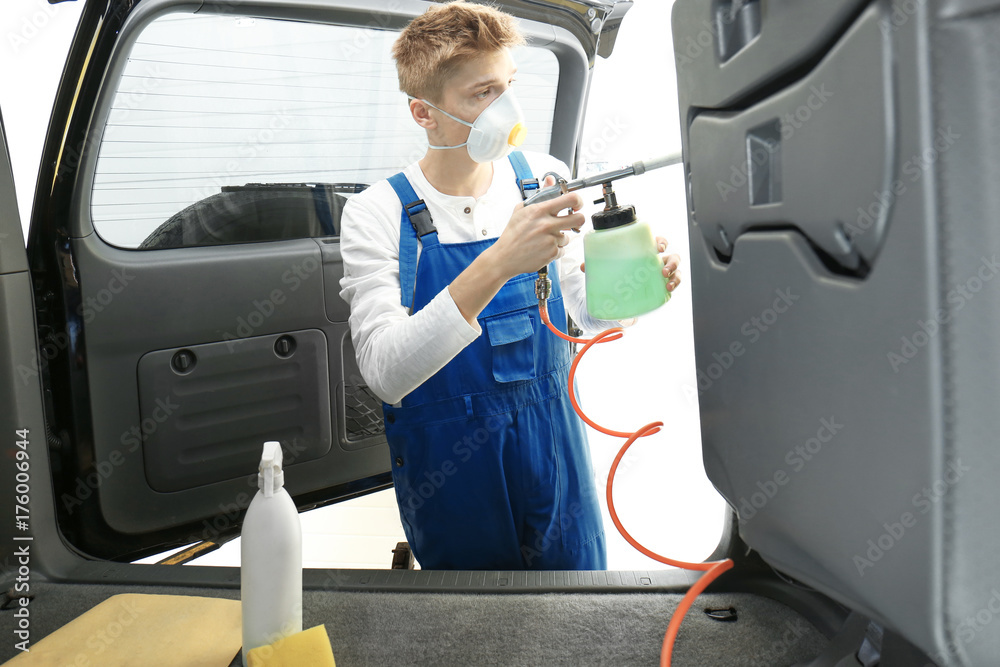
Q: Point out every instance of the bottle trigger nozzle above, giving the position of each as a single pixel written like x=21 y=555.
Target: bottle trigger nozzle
x=270 y=476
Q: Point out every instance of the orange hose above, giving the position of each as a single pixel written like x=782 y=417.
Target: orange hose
x=544 y=311
x=711 y=570
x=605 y=336
x=667 y=650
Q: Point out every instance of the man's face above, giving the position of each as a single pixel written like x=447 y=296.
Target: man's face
x=473 y=87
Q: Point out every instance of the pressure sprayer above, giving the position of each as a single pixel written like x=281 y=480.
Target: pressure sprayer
x=628 y=249
x=623 y=276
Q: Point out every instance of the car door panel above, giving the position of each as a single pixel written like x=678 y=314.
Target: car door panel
x=150 y=414
x=166 y=374
x=894 y=328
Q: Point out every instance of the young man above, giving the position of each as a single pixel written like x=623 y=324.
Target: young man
x=490 y=463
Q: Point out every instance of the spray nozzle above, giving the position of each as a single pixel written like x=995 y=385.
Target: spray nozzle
x=270 y=477
x=616 y=215
x=613 y=215
x=610 y=199
x=635 y=169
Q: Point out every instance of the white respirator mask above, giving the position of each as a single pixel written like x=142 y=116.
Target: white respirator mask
x=496 y=132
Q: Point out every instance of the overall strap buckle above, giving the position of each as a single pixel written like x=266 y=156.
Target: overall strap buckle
x=527 y=184
x=420 y=217
x=522 y=172
x=416 y=210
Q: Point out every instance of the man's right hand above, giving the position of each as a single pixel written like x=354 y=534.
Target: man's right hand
x=534 y=236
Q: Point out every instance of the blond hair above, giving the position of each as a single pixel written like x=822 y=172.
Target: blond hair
x=435 y=43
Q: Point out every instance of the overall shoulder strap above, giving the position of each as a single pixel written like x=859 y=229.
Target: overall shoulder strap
x=522 y=172
x=527 y=183
x=414 y=223
x=415 y=209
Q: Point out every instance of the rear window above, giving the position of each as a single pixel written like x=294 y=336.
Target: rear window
x=232 y=129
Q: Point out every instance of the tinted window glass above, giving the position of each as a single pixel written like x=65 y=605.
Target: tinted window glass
x=235 y=129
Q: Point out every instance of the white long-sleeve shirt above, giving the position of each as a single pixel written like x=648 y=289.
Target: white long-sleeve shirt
x=397 y=351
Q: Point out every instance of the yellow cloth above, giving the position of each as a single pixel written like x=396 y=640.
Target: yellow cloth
x=310 y=647
x=139 y=629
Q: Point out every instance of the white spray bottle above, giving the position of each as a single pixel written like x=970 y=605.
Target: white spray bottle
x=271 y=559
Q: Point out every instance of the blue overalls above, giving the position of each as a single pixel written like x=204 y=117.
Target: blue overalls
x=490 y=462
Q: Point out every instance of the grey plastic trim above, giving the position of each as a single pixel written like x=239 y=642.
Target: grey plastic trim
x=351 y=379
x=337 y=310
x=163 y=302
x=791 y=33
x=774 y=164
x=21 y=400
x=892 y=511
x=21 y=408
x=12 y=256
x=227 y=398
x=400 y=581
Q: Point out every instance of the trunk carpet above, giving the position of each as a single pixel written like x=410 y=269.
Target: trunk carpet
x=440 y=629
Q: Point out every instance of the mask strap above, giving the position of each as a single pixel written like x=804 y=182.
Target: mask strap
x=457 y=120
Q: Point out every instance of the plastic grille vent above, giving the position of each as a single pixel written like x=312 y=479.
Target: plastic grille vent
x=363 y=413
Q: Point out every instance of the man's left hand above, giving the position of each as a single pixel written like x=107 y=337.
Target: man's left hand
x=670 y=265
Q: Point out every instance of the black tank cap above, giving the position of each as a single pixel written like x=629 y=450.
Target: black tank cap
x=614 y=217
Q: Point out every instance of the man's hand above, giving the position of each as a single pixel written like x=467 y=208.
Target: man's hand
x=533 y=238
x=670 y=265
x=535 y=234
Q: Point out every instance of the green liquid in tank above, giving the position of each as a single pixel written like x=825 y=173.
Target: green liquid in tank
x=624 y=273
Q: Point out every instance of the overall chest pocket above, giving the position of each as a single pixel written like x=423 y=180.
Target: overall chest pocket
x=513 y=343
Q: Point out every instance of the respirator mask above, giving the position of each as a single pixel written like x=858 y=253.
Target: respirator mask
x=497 y=130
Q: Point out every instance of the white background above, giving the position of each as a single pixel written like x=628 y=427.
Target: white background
x=662 y=493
